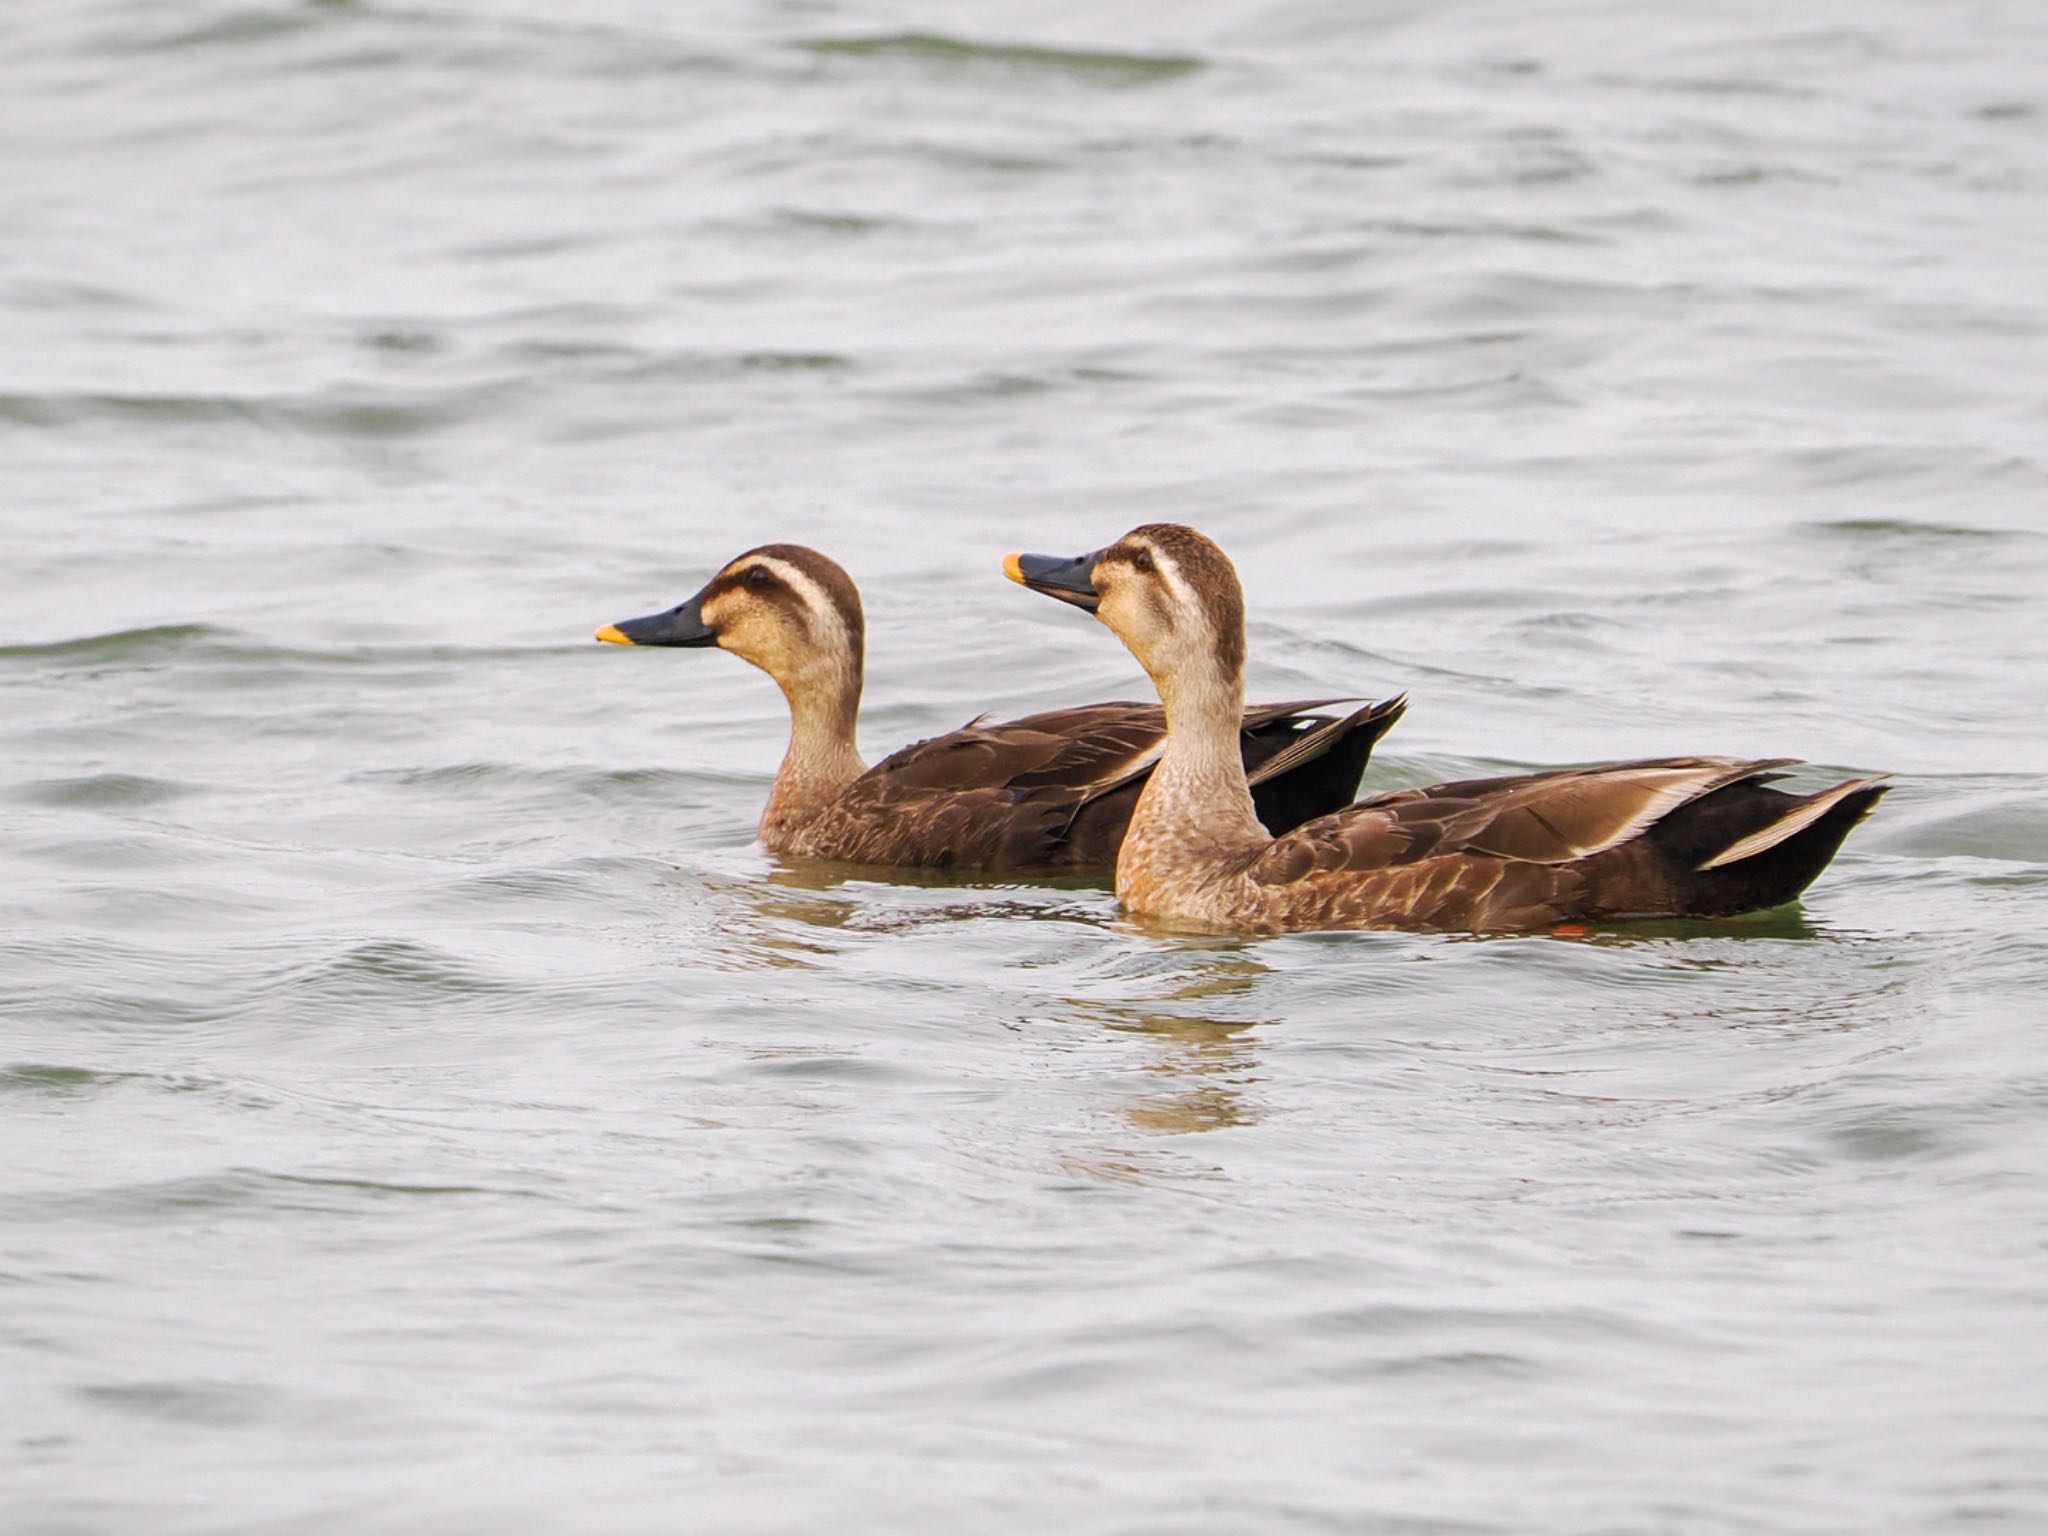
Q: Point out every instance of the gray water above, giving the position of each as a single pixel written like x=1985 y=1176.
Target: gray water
x=421 y=1108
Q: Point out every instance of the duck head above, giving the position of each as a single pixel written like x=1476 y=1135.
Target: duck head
x=1167 y=592
x=787 y=609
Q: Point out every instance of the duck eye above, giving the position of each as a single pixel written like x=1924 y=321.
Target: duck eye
x=1142 y=562
x=759 y=578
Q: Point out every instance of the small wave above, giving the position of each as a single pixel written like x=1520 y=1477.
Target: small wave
x=258 y=1193
x=62 y=409
x=691 y=365
x=234 y=29
x=215 y=643
x=33 y=293
x=384 y=966
x=1894 y=1133
x=609 y=784
x=52 y=1080
x=2009 y=827
x=102 y=790
x=1096 y=66
x=116 y=644
x=1726 y=86
x=340 y=413
x=214 y=1404
x=1875 y=529
x=839 y=223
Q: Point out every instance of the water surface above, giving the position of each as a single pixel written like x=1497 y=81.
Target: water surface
x=424 y=1111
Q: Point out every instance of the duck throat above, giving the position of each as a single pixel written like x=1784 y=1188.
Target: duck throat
x=1194 y=820
x=822 y=760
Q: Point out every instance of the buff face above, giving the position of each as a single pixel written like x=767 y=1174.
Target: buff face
x=754 y=611
x=1136 y=599
x=1172 y=597
x=786 y=609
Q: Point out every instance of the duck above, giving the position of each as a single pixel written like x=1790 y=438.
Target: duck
x=1563 y=850
x=1050 y=791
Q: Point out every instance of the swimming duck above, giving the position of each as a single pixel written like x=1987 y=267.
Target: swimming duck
x=1051 y=790
x=1670 y=837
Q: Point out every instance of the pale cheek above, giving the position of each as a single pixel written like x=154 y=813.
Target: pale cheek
x=1128 y=619
x=750 y=640
x=773 y=649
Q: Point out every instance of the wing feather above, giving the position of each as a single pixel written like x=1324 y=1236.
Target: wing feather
x=1006 y=794
x=1551 y=818
x=1092 y=748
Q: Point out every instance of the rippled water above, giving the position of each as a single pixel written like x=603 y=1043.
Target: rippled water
x=422 y=1110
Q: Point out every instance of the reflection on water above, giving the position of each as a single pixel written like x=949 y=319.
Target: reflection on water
x=1208 y=1058
x=1203 y=1077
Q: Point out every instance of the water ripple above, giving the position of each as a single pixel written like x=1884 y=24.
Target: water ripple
x=424 y=1107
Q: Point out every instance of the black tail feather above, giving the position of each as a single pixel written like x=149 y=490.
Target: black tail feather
x=1768 y=878
x=1325 y=770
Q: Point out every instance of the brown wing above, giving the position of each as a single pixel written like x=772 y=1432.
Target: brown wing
x=1693 y=836
x=1006 y=795
x=1091 y=748
x=1540 y=818
x=1084 y=750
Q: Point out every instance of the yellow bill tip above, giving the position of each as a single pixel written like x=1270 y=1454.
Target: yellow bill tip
x=1013 y=567
x=612 y=635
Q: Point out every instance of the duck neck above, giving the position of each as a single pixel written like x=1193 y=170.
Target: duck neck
x=822 y=759
x=1195 y=814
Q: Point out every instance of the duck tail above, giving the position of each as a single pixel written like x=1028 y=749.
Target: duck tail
x=1318 y=771
x=1748 y=849
x=1359 y=731
x=1854 y=798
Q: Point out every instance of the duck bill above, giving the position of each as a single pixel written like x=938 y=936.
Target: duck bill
x=681 y=625
x=1071 y=581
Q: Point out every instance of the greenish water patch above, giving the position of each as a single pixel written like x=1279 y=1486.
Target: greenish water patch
x=257 y=1194
x=1094 y=66
x=56 y=410
x=234 y=29
x=626 y=786
x=55 y=1081
x=401 y=1190
x=341 y=414
x=1894 y=1134
x=401 y=339
x=117 y=645
x=1786 y=922
x=102 y=791
x=837 y=222
x=211 y=1404
x=792 y=362
x=693 y=365
x=1869 y=528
